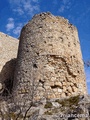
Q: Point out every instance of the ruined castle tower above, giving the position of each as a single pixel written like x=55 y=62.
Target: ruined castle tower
x=49 y=59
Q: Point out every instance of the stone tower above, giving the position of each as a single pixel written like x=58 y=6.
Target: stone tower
x=49 y=60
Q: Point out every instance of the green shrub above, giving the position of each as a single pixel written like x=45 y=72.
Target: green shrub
x=48 y=105
x=48 y=113
x=69 y=102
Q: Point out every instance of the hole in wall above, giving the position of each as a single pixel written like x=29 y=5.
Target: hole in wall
x=50 y=45
x=37 y=53
x=25 y=71
x=61 y=39
x=74 y=56
x=44 y=41
x=55 y=86
x=27 y=50
x=32 y=45
x=66 y=94
x=50 y=36
x=41 y=81
x=40 y=26
x=35 y=65
x=69 y=44
x=74 y=44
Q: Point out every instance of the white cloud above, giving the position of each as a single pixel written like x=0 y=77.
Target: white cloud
x=10 y=24
x=35 y=0
x=19 y=10
x=17 y=30
x=11 y=27
x=10 y=19
x=64 y=6
x=25 y=7
x=65 y=1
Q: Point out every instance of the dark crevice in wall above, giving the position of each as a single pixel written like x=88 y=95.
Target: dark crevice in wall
x=7 y=77
x=8 y=87
x=55 y=86
x=42 y=82
x=35 y=66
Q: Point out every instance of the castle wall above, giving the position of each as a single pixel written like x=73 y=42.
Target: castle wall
x=8 y=53
x=49 y=60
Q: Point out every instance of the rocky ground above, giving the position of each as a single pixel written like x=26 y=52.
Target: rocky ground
x=72 y=108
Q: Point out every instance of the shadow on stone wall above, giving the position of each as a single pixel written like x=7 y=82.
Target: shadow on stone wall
x=6 y=77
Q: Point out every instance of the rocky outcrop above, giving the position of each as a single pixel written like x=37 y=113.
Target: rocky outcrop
x=49 y=60
x=72 y=108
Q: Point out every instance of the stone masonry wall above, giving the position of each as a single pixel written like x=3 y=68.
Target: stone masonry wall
x=8 y=53
x=49 y=60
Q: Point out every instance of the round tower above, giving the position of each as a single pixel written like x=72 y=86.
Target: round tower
x=49 y=61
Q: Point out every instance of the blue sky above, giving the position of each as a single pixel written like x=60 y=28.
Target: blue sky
x=16 y=13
